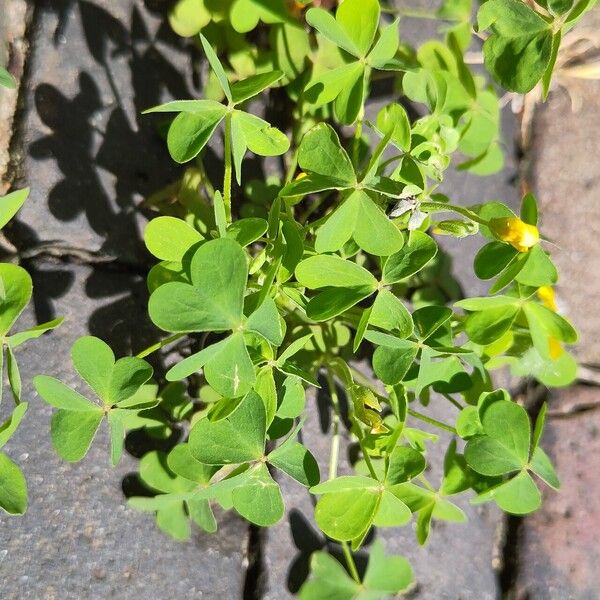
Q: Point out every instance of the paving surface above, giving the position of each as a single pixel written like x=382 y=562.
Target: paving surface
x=558 y=546
x=89 y=158
x=79 y=539
x=557 y=549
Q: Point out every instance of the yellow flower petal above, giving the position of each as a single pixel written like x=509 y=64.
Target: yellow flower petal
x=556 y=349
x=517 y=233
x=546 y=295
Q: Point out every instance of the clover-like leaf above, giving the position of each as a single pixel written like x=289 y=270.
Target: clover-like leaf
x=16 y=339
x=217 y=67
x=518 y=50
x=245 y=14
x=386 y=575
x=13 y=487
x=11 y=203
x=73 y=431
x=190 y=131
x=259 y=498
x=252 y=86
x=266 y=322
x=214 y=300
x=393 y=357
x=238 y=438
x=15 y=292
x=506 y=446
x=416 y=253
x=8 y=428
x=169 y=238
x=251 y=132
x=198 y=119
x=328 y=579
x=347 y=507
x=295 y=460
x=320 y=152
x=116 y=383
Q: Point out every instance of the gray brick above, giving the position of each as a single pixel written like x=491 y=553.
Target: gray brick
x=89 y=155
x=79 y=539
x=558 y=546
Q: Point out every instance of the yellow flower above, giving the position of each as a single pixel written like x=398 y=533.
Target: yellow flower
x=546 y=295
x=300 y=175
x=517 y=233
x=556 y=348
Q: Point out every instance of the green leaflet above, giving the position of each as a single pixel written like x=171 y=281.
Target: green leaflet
x=6 y=79
x=13 y=487
x=505 y=446
x=169 y=238
x=11 y=203
x=116 y=385
x=518 y=50
x=214 y=300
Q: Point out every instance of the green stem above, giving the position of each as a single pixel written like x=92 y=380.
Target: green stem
x=357 y=137
x=389 y=161
x=365 y=454
x=159 y=345
x=292 y=167
x=453 y=401
x=335 y=439
x=426 y=483
x=350 y=562
x=415 y=13
x=461 y=210
x=227 y=175
x=434 y=422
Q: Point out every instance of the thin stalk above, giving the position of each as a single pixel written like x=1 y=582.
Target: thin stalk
x=426 y=483
x=160 y=345
x=292 y=166
x=316 y=203
x=434 y=422
x=356 y=141
x=453 y=401
x=461 y=210
x=389 y=161
x=415 y=13
x=227 y=175
x=350 y=562
x=334 y=453
x=365 y=454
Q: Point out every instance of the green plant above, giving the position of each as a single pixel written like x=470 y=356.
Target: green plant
x=334 y=261
x=16 y=289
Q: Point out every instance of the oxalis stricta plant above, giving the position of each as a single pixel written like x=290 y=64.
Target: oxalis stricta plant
x=16 y=289
x=286 y=284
